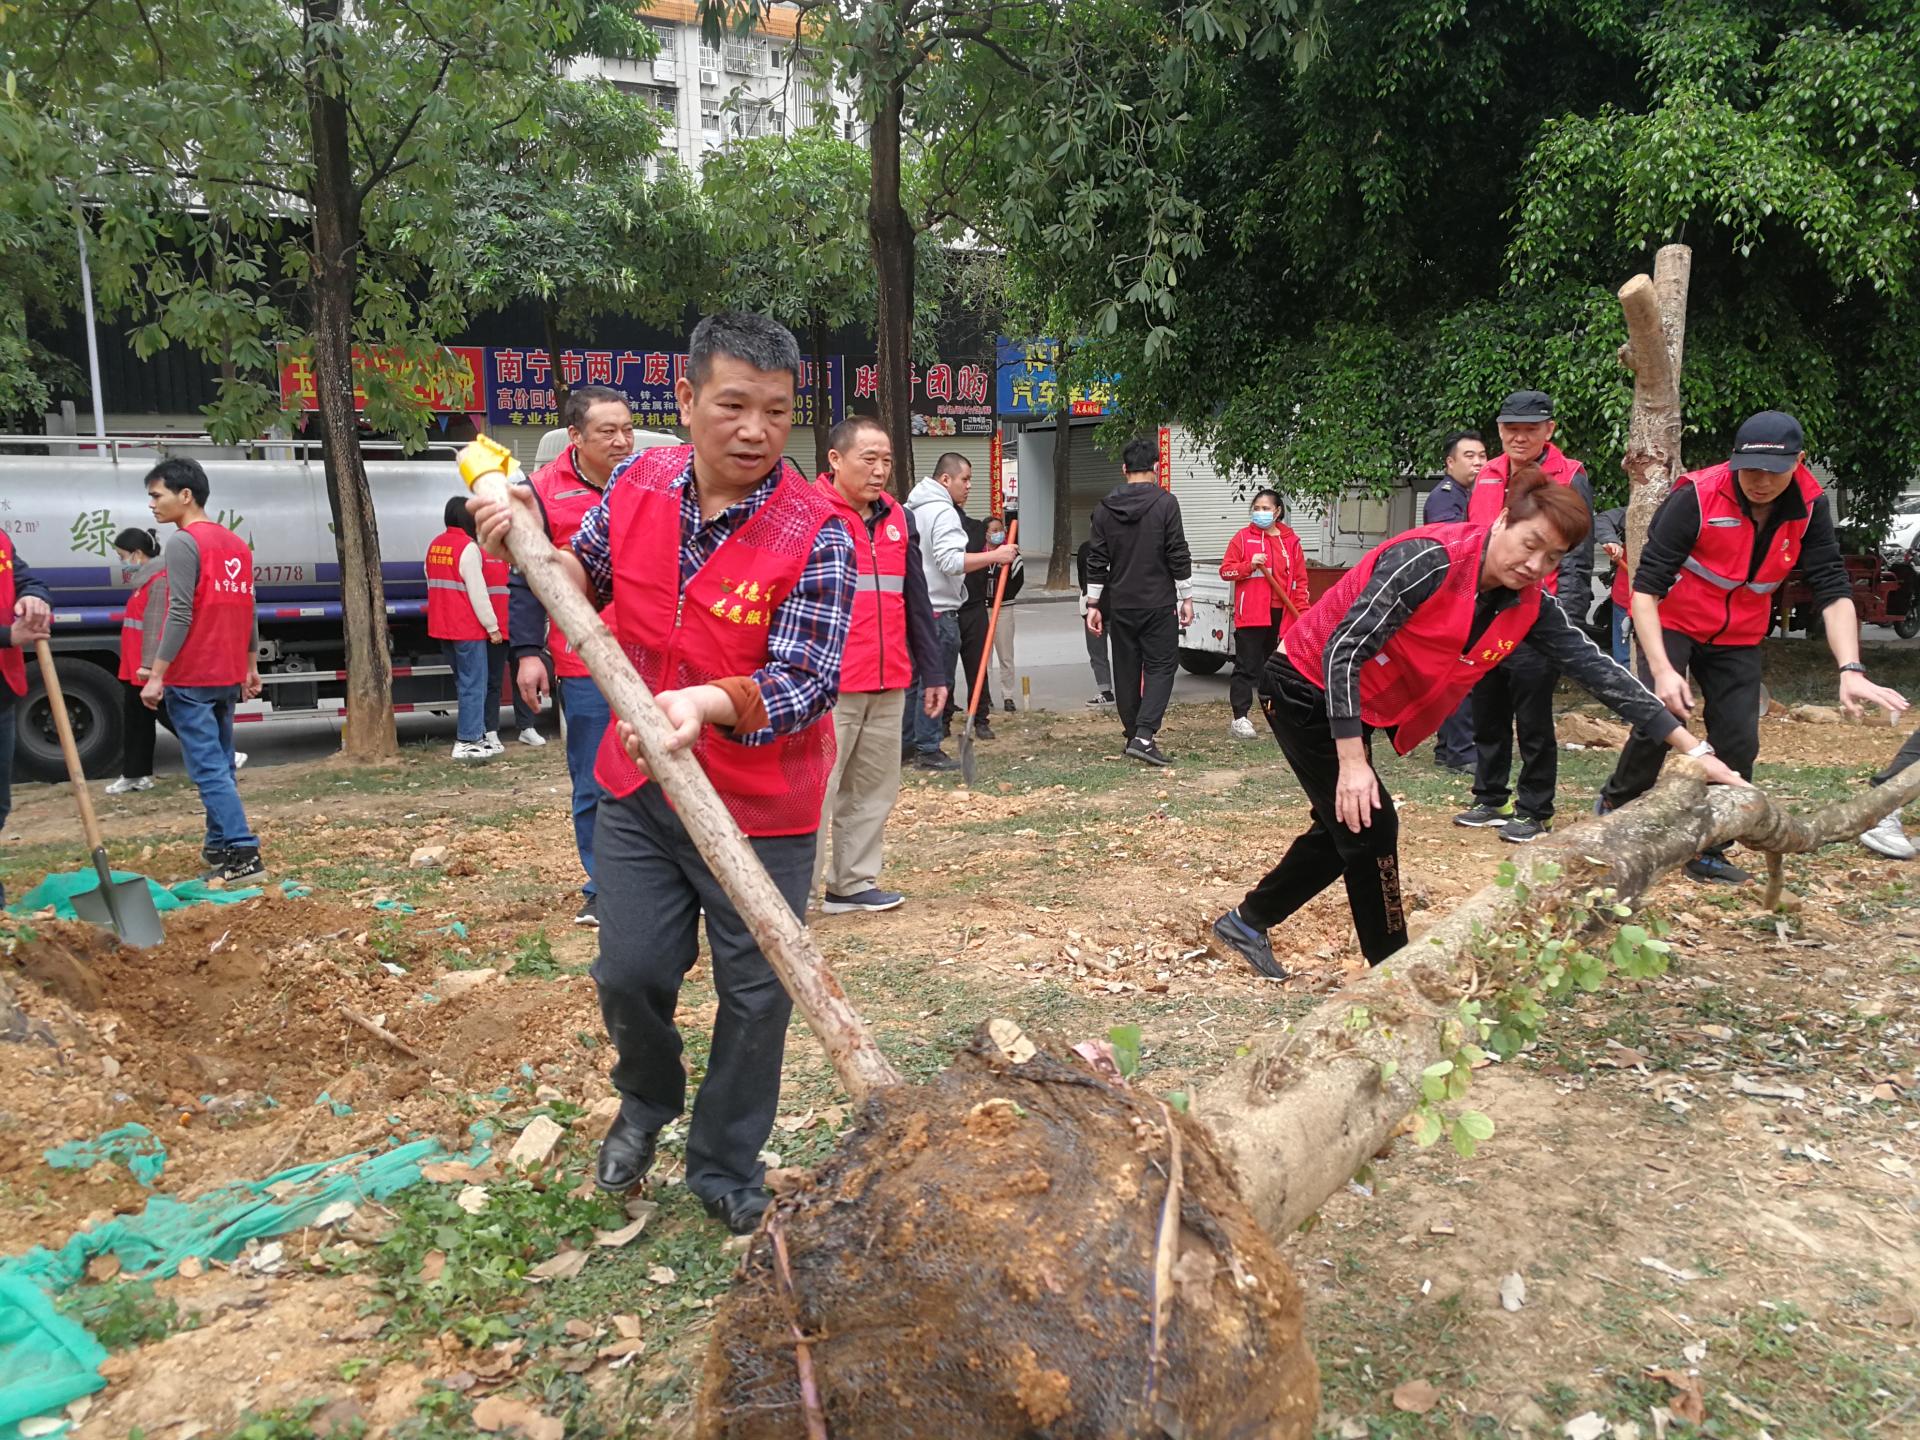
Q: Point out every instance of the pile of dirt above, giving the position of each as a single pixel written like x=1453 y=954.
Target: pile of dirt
x=985 y=1256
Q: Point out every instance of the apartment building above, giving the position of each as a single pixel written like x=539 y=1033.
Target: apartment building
x=740 y=88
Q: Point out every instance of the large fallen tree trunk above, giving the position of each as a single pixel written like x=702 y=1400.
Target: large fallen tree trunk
x=1028 y=1246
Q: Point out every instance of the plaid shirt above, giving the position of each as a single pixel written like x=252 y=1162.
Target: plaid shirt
x=801 y=678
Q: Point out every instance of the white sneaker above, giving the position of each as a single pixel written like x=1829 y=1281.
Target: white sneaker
x=493 y=743
x=1887 y=838
x=123 y=785
x=1241 y=729
x=533 y=737
x=471 y=750
x=239 y=759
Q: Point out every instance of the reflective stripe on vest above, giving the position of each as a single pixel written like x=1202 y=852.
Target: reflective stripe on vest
x=885 y=584
x=1722 y=582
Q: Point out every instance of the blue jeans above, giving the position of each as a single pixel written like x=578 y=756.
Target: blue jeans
x=918 y=727
x=469 y=661
x=202 y=716
x=523 y=718
x=587 y=720
x=1622 y=630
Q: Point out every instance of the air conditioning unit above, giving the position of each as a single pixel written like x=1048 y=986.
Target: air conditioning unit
x=663 y=70
x=710 y=77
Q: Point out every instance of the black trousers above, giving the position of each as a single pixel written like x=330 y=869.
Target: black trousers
x=1903 y=757
x=1253 y=646
x=1146 y=646
x=1728 y=677
x=139 y=725
x=1515 y=700
x=652 y=885
x=973 y=642
x=1369 y=862
x=1453 y=743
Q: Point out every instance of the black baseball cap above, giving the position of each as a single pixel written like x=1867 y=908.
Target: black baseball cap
x=1771 y=440
x=1525 y=407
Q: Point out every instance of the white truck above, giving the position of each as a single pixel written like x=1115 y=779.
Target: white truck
x=64 y=498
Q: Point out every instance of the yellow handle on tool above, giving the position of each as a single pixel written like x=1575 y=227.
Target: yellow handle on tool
x=485 y=456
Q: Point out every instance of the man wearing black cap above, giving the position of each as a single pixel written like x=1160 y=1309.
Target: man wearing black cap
x=1516 y=699
x=1718 y=549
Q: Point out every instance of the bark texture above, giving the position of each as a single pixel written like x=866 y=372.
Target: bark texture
x=788 y=945
x=893 y=239
x=1656 y=312
x=1060 y=559
x=1301 y=1112
x=369 y=732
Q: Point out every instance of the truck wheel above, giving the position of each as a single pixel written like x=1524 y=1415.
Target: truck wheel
x=93 y=709
x=1201 y=662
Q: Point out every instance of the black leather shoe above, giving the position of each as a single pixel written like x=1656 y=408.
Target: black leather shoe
x=740 y=1210
x=626 y=1155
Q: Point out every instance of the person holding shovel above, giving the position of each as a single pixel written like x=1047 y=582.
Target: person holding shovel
x=891 y=636
x=1393 y=647
x=26 y=608
x=731 y=581
x=1269 y=573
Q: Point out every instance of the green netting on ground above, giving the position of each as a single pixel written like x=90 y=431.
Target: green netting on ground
x=134 y=1146
x=47 y=1360
x=57 y=891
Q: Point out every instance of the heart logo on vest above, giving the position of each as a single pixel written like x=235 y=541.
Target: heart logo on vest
x=893 y=531
x=233 y=568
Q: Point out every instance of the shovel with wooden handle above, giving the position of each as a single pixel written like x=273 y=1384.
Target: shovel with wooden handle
x=124 y=906
x=1286 y=600
x=986 y=658
x=491 y=471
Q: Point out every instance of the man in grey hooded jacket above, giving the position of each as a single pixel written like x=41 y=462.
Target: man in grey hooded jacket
x=936 y=503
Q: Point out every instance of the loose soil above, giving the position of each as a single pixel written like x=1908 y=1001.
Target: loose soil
x=1071 y=892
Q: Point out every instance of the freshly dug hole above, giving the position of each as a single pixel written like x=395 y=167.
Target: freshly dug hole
x=978 y=1259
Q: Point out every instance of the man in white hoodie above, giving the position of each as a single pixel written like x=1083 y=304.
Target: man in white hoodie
x=936 y=503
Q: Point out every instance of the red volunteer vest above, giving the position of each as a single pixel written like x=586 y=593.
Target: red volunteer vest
x=133 y=628
x=496 y=574
x=714 y=626
x=449 y=612
x=219 y=648
x=13 y=663
x=876 y=655
x=1419 y=676
x=566 y=497
x=1489 y=496
x=1714 y=600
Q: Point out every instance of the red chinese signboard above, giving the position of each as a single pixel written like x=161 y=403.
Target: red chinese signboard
x=997 y=500
x=1164 y=468
x=298 y=391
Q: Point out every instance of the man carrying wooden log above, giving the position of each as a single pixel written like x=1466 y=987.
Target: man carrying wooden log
x=1717 y=550
x=731 y=583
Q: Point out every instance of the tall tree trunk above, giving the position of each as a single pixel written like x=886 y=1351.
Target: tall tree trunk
x=550 y=325
x=893 y=263
x=1060 y=561
x=822 y=397
x=336 y=238
x=1656 y=312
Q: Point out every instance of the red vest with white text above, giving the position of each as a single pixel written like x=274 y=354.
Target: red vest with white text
x=495 y=573
x=13 y=664
x=449 y=612
x=876 y=655
x=714 y=626
x=1489 y=496
x=219 y=648
x=1714 y=600
x=1419 y=676
x=133 y=628
x=566 y=497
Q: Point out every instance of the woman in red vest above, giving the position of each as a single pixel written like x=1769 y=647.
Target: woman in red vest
x=1718 y=549
x=1269 y=571
x=1393 y=647
x=461 y=615
x=139 y=552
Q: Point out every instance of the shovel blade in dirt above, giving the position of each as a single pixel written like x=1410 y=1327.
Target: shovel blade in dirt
x=124 y=906
x=966 y=750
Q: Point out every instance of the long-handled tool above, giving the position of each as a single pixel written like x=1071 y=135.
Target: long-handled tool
x=986 y=658
x=489 y=468
x=1286 y=600
x=124 y=906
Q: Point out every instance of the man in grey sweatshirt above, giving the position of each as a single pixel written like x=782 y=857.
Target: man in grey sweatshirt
x=936 y=503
